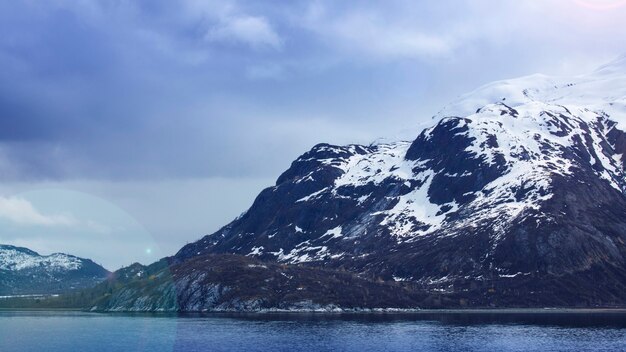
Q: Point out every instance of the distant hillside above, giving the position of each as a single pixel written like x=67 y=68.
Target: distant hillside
x=25 y=272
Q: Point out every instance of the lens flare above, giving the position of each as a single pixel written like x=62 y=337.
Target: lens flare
x=601 y=4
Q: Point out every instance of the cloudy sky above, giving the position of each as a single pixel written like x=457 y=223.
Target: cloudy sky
x=128 y=128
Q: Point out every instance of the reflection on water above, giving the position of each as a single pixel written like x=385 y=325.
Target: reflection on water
x=428 y=331
x=562 y=318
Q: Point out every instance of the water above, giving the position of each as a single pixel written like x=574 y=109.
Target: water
x=528 y=331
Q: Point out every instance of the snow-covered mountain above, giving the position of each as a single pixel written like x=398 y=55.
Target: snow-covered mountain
x=518 y=188
x=24 y=272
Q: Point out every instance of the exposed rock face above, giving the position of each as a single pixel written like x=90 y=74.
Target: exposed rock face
x=237 y=283
x=24 y=272
x=516 y=193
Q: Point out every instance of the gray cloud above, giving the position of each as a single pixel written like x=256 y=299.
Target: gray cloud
x=251 y=30
x=21 y=211
x=153 y=89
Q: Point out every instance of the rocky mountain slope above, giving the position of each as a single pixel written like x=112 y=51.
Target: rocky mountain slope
x=25 y=272
x=238 y=283
x=516 y=191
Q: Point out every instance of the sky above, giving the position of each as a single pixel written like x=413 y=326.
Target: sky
x=129 y=128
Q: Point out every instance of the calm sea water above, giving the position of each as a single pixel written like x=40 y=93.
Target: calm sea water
x=529 y=331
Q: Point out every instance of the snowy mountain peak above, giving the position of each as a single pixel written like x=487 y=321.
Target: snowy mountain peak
x=6 y=247
x=23 y=271
x=602 y=91
x=18 y=258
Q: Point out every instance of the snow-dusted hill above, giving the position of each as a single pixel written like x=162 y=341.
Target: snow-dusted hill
x=520 y=184
x=602 y=91
x=23 y=271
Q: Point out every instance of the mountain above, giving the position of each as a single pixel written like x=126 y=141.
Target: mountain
x=25 y=272
x=515 y=197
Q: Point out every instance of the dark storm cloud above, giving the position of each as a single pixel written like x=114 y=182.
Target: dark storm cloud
x=95 y=94
x=163 y=89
